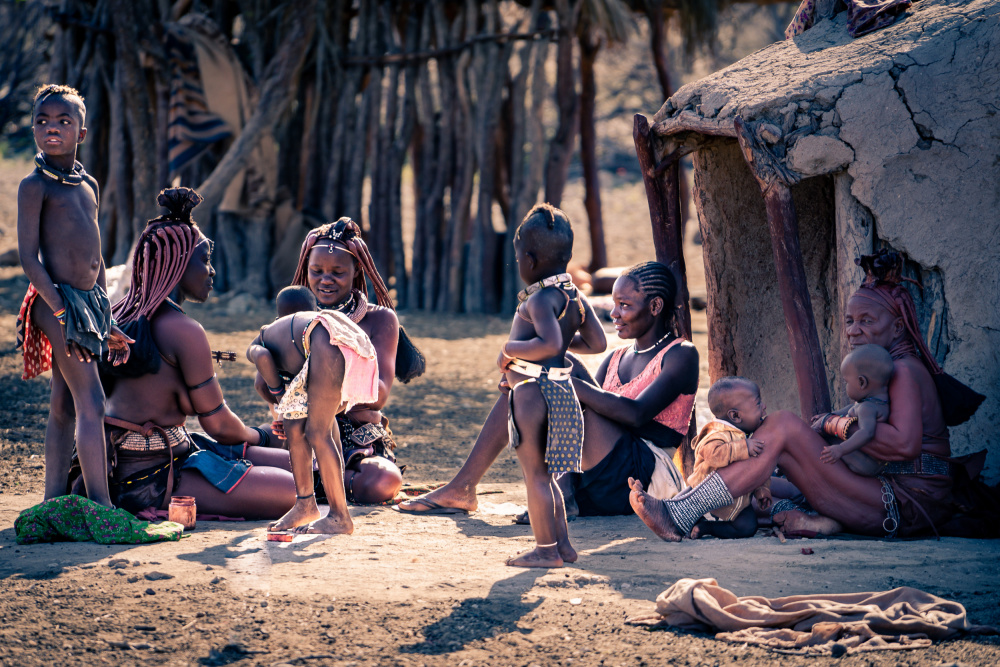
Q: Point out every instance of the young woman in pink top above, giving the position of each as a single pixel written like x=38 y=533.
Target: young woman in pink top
x=643 y=392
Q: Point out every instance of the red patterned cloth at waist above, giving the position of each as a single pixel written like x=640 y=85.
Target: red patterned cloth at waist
x=36 y=348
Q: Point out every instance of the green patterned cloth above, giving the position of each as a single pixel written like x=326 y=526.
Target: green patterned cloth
x=78 y=519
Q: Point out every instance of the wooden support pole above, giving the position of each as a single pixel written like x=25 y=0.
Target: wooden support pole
x=807 y=358
x=663 y=197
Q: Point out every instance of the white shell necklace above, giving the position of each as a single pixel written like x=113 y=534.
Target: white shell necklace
x=635 y=350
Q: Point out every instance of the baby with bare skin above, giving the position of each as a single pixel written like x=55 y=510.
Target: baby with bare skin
x=739 y=411
x=316 y=365
x=545 y=418
x=867 y=371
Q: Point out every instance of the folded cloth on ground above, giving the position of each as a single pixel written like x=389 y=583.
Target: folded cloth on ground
x=78 y=519
x=903 y=618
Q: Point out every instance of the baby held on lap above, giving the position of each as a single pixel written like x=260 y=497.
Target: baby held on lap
x=739 y=411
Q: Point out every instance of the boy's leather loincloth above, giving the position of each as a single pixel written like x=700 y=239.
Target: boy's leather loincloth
x=564 y=440
x=88 y=324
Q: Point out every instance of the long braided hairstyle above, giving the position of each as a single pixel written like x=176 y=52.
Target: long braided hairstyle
x=653 y=279
x=346 y=234
x=161 y=255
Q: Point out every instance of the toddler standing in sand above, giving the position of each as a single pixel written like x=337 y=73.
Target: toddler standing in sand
x=545 y=419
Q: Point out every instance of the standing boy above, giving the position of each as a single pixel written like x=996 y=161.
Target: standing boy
x=59 y=244
x=546 y=422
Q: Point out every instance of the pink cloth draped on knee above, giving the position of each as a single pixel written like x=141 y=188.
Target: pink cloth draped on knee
x=903 y=618
x=360 y=366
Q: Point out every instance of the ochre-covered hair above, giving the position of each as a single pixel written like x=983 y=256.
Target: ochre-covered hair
x=346 y=235
x=58 y=90
x=161 y=255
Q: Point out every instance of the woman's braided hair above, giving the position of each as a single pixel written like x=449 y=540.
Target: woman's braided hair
x=161 y=255
x=346 y=234
x=653 y=279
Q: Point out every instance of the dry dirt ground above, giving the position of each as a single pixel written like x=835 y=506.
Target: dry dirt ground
x=413 y=590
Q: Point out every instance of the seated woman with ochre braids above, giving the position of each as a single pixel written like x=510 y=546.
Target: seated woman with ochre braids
x=916 y=491
x=640 y=403
x=334 y=264
x=170 y=376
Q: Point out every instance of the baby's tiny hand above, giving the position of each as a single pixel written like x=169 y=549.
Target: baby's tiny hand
x=831 y=454
x=754 y=447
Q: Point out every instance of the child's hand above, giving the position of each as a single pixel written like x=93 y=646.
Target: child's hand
x=831 y=454
x=278 y=428
x=818 y=421
x=754 y=446
x=503 y=361
x=763 y=497
x=75 y=349
x=118 y=346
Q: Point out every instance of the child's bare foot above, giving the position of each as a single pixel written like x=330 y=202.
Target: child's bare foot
x=447 y=497
x=538 y=557
x=795 y=523
x=303 y=511
x=652 y=512
x=328 y=525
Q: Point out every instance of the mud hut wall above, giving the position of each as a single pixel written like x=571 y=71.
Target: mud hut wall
x=925 y=142
x=747 y=333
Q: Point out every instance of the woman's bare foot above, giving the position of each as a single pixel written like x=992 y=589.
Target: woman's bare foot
x=447 y=496
x=303 y=511
x=567 y=552
x=538 y=557
x=795 y=523
x=328 y=525
x=652 y=512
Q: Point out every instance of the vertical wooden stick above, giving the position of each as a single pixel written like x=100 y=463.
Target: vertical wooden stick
x=663 y=197
x=807 y=357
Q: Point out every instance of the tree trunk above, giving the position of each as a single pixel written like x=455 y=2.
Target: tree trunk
x=461 y=190
x=589 y=48
x=561 y=146
x=141 y=123
x=522 y=189
x=807 y=355
x=280 y=82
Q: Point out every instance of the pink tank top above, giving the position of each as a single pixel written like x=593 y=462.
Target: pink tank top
x=677 y=415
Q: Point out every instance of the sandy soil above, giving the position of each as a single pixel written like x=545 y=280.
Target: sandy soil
x=414 y=590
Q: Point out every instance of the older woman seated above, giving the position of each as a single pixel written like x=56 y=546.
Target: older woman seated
x=915 y=493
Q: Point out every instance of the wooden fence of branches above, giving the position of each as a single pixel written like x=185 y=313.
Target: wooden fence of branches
x=348 y=94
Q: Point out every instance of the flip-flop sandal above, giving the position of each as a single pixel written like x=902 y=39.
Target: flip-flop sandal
x=432 y=508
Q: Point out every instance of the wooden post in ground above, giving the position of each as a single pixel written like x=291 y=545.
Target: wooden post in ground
x=775 y=181
x=663 y=197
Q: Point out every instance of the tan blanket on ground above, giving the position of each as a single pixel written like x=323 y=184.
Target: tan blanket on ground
x=903 y=618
